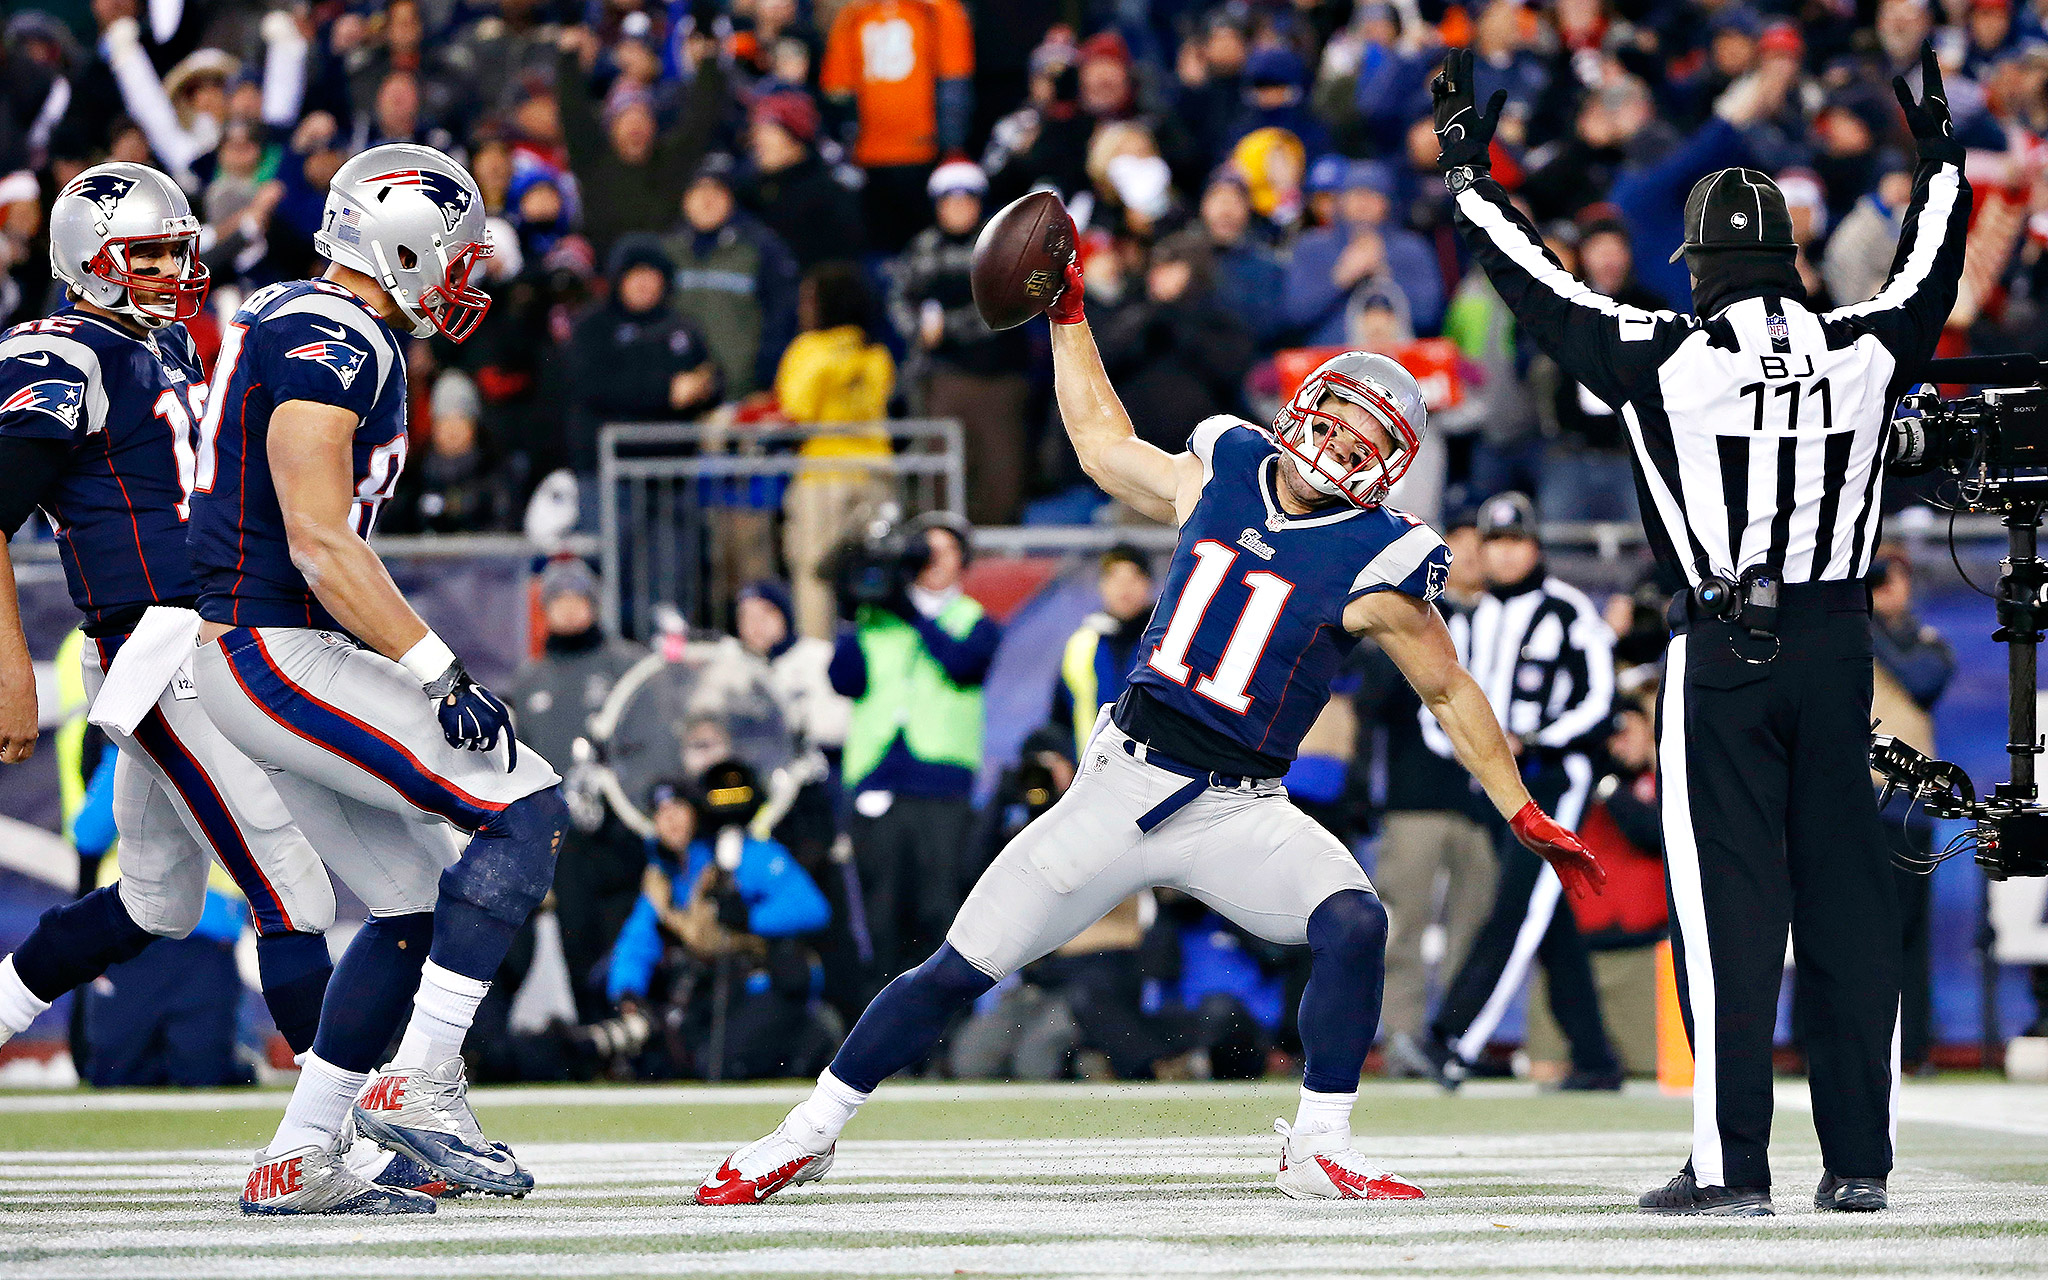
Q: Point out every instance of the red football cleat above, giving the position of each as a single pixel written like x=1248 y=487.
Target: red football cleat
x=760 y=1169
x=1322 y=1166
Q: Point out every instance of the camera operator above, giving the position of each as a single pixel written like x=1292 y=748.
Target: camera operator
x=913 y=664
x=711 y=968
x=1759 y=429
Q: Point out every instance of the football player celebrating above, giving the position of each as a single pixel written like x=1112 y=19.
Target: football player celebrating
x=1287 y=555
x=97 y=406
x=310 y=660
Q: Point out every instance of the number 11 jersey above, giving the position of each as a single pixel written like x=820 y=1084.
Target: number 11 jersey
x=306 y=340
x=1250 y=629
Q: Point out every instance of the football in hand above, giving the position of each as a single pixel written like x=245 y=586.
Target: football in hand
x=1020 y=261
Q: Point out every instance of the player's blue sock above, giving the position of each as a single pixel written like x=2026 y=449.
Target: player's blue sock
x=371 y=991
x=902 y=1024
x=294 y=968
x=1340 y=1007
x=78 y=942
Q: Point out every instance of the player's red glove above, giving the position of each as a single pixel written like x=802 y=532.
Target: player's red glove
x=1066 y=309
x=1547 y=838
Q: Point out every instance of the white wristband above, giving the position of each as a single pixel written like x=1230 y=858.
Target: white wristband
x=428 y=659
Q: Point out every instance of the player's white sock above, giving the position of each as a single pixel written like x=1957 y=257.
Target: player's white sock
x=824 y=1114
x=18 y=1005
x=441 y=1014
x=1321 y=1112
x=319 y=1106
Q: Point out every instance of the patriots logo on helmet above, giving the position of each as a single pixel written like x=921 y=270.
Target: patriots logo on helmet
x=450 y=195
x=56 y=397
x=346 y=361
x=103 y=189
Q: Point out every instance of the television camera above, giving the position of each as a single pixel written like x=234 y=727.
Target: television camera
x=1993 y=446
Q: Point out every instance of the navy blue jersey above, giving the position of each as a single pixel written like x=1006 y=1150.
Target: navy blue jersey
x=1250 y=627
x=126 y=405
x=306 y=340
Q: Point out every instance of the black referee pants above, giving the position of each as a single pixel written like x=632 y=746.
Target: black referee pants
x=1770 y=822
x=1531 y=921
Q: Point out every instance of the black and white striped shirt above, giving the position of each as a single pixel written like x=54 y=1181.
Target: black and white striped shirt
x=1545 y=659
x=1759 y=432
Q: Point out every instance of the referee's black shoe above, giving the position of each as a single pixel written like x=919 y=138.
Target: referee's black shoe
x=1849 y=1195
x=1682 y=1195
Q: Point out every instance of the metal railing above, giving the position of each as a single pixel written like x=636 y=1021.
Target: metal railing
x=687 y=513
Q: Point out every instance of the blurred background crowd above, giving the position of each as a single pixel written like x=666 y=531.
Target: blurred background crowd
x=748 y=214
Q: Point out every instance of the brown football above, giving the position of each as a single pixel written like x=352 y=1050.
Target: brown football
x=1020 y=261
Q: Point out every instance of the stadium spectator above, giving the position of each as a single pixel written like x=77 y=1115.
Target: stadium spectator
x=914 y=669
x=790 y=187
x=632 y=172
x=1247 y=271
x=903 y=67
x=735 y=279
x=960 y=368
x=457 y=487
x=1098 y=656
x=634 y=359
x=553 y=697
x=1362 y=251
x=1177 y=351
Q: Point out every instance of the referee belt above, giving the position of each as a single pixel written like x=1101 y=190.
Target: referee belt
x=1199 y=780
x=1845 y=595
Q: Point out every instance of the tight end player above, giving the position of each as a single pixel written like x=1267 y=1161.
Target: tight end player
x=384 y=749
x=1286 y=555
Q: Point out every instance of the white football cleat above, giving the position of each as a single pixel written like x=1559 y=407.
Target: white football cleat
x=425 y=1115
x=1322 y=1166
x=316 y=1180
x=760 y=1169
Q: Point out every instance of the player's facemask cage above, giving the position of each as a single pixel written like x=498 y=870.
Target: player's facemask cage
x=1330 y=454
x=455 y=306
x=174 y=298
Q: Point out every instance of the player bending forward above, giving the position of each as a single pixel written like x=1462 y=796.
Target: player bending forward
x=1286 y=555
x=312 y=662
x=97 y=405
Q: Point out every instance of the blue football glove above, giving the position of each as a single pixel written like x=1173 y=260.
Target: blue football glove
x=472 y=717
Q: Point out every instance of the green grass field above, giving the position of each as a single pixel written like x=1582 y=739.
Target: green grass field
x=991 y=1180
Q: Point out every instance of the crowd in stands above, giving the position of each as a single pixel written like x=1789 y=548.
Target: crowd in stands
x=744 y=210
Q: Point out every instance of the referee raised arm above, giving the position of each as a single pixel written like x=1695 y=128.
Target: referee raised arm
x=1758 y=427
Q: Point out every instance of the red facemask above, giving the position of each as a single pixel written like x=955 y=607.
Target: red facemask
x=179 y=298
x=455 y=306
x=1364 y=479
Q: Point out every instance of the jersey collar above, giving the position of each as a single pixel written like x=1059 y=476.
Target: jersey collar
x=1278 y=519
x=109 y=325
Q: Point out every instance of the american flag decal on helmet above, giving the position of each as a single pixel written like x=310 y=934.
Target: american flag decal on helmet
x=443 y=189
x=346 y=361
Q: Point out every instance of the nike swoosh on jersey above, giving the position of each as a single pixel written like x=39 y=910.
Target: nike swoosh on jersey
x=332 y=333
x=40 y=357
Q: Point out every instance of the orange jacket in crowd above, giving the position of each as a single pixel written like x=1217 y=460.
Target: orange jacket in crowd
x=889 y=56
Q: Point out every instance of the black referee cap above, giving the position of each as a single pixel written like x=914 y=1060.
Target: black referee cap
x=1507 y=515
x=1736 y=209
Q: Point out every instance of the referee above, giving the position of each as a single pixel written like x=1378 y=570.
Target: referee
x=1539 y=649
x=1758 y=428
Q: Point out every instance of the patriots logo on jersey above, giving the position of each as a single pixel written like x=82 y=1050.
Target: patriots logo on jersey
x=103 y=189
x=345 y=360
x=443 y=190
x=60 y=399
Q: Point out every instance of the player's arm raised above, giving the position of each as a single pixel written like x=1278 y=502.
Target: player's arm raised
x=1413 y=634
x=1159 y=484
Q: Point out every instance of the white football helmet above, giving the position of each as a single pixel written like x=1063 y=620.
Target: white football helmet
x=1328 y=452
x=411 y=219
x=97 y=219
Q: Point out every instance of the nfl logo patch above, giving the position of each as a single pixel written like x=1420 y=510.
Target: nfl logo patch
x=1778 y=330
